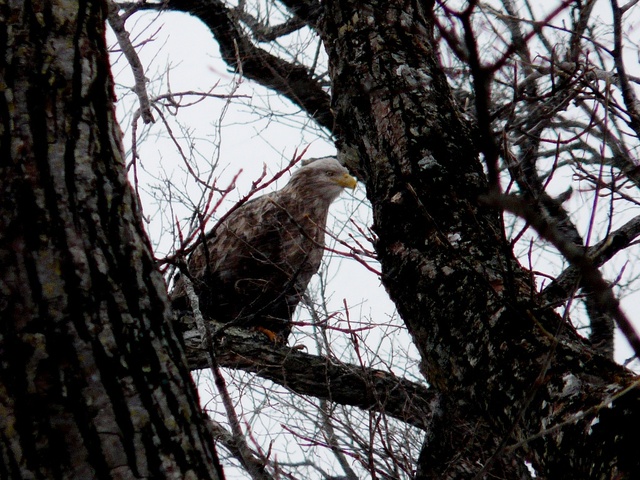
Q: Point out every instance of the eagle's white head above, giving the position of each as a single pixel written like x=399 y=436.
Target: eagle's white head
x=324 y=178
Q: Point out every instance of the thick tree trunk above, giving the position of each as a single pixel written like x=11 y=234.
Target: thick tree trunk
x=517 y=383
x=93 y=382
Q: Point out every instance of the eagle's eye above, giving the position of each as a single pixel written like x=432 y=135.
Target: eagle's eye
x=329 y=173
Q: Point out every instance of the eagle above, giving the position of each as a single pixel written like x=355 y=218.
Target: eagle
x=253 y=268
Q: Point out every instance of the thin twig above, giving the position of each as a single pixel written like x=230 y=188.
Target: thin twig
x=140 y=87
x=254 y=466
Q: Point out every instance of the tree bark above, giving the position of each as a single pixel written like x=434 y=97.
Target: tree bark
x=317 y=376
x=93 y=381
x=533 y=388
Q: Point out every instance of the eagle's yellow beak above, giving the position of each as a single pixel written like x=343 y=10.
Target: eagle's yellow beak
x=347 y=181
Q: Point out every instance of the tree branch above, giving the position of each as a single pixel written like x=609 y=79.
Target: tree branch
x=262 y=32
x=307 y=10
x=591 y=277
x=317 y=376
x=295 y=82
x=117 y=25
x=558 y=291
x=628 y=94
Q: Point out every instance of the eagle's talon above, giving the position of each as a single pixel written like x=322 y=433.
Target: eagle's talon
x=274 y=337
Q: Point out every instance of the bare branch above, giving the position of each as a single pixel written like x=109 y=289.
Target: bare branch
x=320 y=377
x=140 y=87
x=559 y=290
x=630 y=100
x=591 y=277
x=266 y=33
x=255 y=467
x=291 y=80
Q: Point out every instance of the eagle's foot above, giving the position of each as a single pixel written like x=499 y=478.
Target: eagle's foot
x=274 y=337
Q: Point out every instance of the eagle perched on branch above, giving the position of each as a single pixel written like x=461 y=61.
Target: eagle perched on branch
x=255 y=266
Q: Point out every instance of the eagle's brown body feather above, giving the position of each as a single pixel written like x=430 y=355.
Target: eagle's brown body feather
x=256 y=266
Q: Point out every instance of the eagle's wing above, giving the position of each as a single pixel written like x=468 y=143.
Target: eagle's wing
x=257 y=266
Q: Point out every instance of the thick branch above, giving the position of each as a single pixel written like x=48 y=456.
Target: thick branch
x=317 y=376
x=561 y=289
x=293 y=81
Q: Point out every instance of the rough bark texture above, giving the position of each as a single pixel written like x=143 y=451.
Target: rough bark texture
x=316 y=376
x=515 y=370
x=93 y=382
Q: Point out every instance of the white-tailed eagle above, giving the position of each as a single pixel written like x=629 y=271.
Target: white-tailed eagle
x=254 y=268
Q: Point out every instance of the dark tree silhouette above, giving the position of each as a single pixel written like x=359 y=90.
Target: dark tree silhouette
x=457 y=125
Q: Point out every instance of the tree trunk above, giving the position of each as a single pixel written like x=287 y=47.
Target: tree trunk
x=517 y=383
x=93 y=381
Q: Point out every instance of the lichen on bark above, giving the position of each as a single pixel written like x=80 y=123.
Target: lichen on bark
x=485 y=341
x=93 y=380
